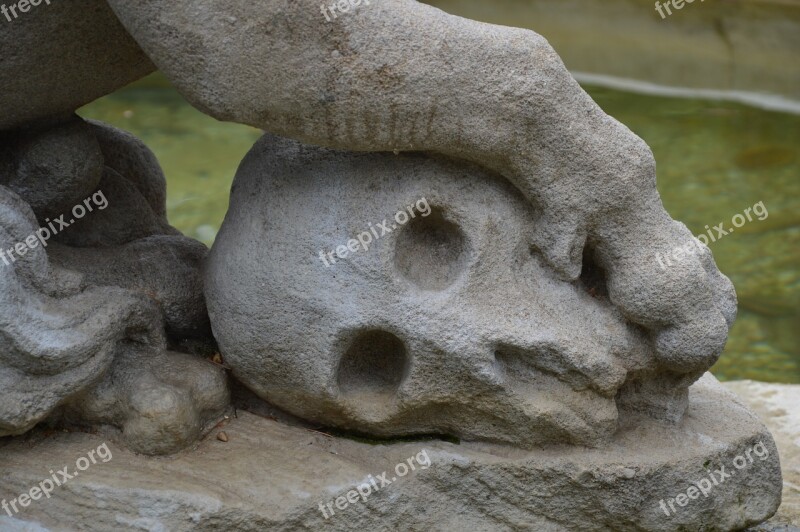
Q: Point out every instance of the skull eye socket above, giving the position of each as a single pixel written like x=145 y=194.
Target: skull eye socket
x=375 y=362
x=431 y=252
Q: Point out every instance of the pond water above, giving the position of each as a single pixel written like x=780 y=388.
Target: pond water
x=715 y=160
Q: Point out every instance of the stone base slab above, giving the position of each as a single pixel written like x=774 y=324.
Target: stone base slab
x=271 y=476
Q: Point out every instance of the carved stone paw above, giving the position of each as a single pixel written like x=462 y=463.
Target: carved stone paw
x=162 y=401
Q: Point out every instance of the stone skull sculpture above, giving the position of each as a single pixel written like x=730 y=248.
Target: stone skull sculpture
x=396 y=295
x=428 y=81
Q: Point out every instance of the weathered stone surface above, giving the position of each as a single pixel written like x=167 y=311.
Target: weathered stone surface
x=85 y=327
x=521 y=310
x=589 y=180
x=422 y=83
x=160 y=401
x=129 y=217
x=272 y=476
x=54 y=168
x=165 y=268
x=59 y=335
x=442 y=320
x=777 y=405
x=62 y=55
x=131 y=158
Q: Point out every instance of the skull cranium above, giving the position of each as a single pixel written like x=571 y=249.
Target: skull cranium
x=446 y=322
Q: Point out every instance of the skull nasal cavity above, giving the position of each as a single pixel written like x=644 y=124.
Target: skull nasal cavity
x=375 y=362
x=431 y=252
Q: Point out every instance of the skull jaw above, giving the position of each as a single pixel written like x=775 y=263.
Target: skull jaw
x=525 y=415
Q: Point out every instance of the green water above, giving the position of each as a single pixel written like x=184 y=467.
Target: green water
x=715 y=160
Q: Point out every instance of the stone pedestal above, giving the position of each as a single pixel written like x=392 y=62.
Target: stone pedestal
x=271 y=476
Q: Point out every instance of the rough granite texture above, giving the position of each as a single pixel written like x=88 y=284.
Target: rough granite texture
x=589 y=181
x=88 y=314
x=59 y=335
x=59 y=56
x=401 y=76
x=272 y=476
x=777 y=405
x=52 y=168
x=526 y=307
x=443 y=320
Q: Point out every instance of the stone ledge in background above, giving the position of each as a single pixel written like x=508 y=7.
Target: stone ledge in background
x=745 y=46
